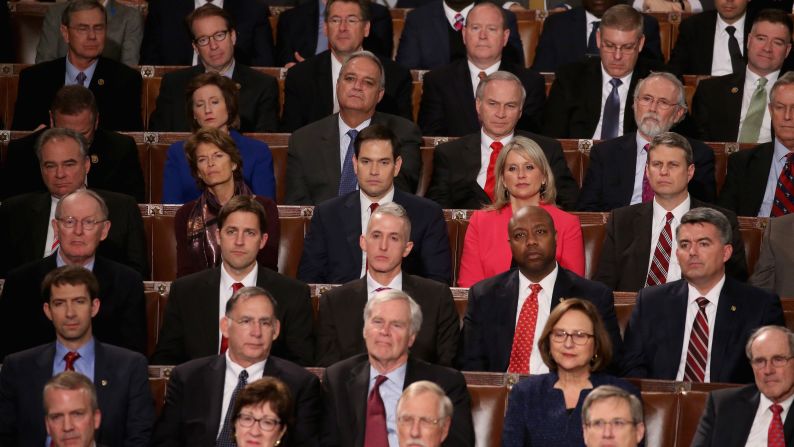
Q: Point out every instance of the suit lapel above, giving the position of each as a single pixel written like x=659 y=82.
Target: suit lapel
x=351 y=225
x=593 y=95
x=207 y=310
x=331 y=159
x=706 y=40
x=562 y=288
x=357 y=389
x=758 y=173
x=742 y=416
x=324 y=80
x=213 y=385
x=99 y=79
x=472 y=164
x=675 y=316
x=508 y=297
x=41 y=221
x=440 y=32
x=732 y=107
x=462 y=83
x=642 y=245
x=628 y=164
x=579 y=32
x=725 y=325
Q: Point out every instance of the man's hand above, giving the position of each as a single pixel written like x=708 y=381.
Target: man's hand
x=298 y=59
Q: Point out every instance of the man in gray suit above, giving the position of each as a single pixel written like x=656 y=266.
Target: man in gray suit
x=776 y=258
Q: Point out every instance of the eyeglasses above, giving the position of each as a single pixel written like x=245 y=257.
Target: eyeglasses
x=610 y=47
x=424 y=422
x=617 y=424
x=220 y=36
x=247 y=322
x=86 y=29
x=87 y=223
x=578 y=337
x=266 y=424
x=350 y=20
x=777 y=361
x=661 y=103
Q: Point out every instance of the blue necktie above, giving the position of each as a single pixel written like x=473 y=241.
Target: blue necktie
x=609 y=125
x=81 y=77
x=225 y=439
x=348 y=181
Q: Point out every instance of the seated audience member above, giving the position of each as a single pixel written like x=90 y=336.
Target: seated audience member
x=214 y=101
x=639 y=245
x=371 y=383
x=166 y=41
x=575 y=347
x=463 y=169
x=332 y=252
x=217 y=166
x=27 y=230
x=316 y=150
x=591 y=98
x=571 y=36
x=759 y=180
x=612 y=416
x=616 y=172
x=423 y=402
x=124 y=33
x=270 y=399
x=776 y=259
x=524 y=297
x=71 y=410
x=80 y=224
x=522 y=178
x=708 y=316
x=448 y=106
x=71 y=296
x=754 y=414
x=733 y=107
x=258 y=97
x=115 y=165
x=193 y=416
x=197 y=301
x=117 y=87
x=384 y=244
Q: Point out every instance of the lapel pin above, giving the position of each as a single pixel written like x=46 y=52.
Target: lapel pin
x=101 y=81
x=733 y=90
x=104 y=382
x=733 y=308
x=94 y=159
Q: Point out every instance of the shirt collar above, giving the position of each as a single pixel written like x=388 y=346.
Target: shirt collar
x=397 y=375
x=396 y=283
x=87 y=351
x=255 y=371
x=366 y=201
x=60 y=262
x=248 y=281
x=475 y=70
x=712 y=295
x=641 y=142
x=343 y=127
x=606 y=77
x=739 y=25
x=450 y=13
x=72 y=72
x=659 y=213
x=765 y=402
x=547 y=283
x=199 y=3
x=753 y=78
x=228 y=73
x=486 y=140
x=780 y=152
x=590 y=18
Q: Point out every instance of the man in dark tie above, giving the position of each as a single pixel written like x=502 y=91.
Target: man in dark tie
x=71 y=411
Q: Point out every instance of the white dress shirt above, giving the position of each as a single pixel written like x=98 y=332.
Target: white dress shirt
x=692 y=310
x=759 y=431
x=606 y=89
x=450 y=13
x=659 y=220
x=750 y=83
x=778 y=161
x=395 y=284
x=721 y=57
x=232 y=376
x=590 y=19
x=536 y=365
x=474 y=74
x=366 y=213
x=485 y=154
x=226 y=291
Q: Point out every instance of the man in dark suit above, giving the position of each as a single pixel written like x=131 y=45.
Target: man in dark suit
x=616 y=173
x=776 y=259
x=115 y=165
x=258 y=95
x=459 y=174
x=117 y=87
x=448 y=106
x=319 y=160
x=751 y=415
x=167 y=41
x=71 y=299
x=634 y=234
x=26 y=231
x=196 y=302
x=391 y=323
x=310 y=90
x=71 y=410
x=694 y=329
x=198 y=405
x=494 y=303
x=332 y=252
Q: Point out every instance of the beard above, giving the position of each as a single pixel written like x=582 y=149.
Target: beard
x=651 y=125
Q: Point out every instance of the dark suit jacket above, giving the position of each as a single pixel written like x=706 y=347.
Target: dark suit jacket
x=623 y=264
x=745 y=182
x=729 y=416
x=308 y=92
x=298 y=27
x=116 y=87
x=190 y=323
x=24 y=221
x=448 y=108
x=115 y=166
x=167 y=39
x=655 y=334
x=564 y=40
x=457 y=163
x=609 y=182
x=313 y=158
x=776 y=259
x=341 y=325
x=694 y=47
x=122 y=387
x=193 y=403
x=122 y=312
x=346 y=387
x=257 y=105
x=332 y=254
x=717 y=107
x=6 y=41
x=574 y=105
x=490 y=321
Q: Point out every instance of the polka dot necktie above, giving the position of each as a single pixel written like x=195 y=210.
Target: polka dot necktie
x=783 y=202
x=524 y=337
x=775 y=436
x=458 y=21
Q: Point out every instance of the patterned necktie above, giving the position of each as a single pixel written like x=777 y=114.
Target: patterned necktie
x=524 y=337
x=81 y=77
x=482 y=75
x=70 y=358
x=490 y=177
x=784 y=192
x=375 y=433
x=225 y=439
x=592 y=46
x=751 y=126
x=225 y=341
x=698 y=351
x=657 y=274
x=737 y=62
x=775 y=436
x=647 y=191
x=611 y=116
x=347 y=183
x=458 y=21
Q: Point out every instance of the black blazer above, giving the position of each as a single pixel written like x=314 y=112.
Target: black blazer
x=448 y=108
x=623 y=264
x=490 y=321
x=192 y=412
x=745 y=183
x=609 y=182
x=717 y=107
x=116 y=87
x=122 y=312
x=654 y=336
x=694 y=47
x=346 y=387
x=190 y=323
x=457 y=163
x=257 y=105
x=122 y=388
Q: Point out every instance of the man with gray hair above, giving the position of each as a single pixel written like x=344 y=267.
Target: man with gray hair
x=707 y=315
x=71 y=411
x=424 y=414
x=362 y=391
x=612 y=416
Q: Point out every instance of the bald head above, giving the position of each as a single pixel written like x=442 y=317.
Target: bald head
x=533 y=242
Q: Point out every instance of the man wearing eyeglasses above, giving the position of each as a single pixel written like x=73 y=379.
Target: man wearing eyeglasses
x=201 y=393
x=424 y=415
x=756 y=414
x=612 y=417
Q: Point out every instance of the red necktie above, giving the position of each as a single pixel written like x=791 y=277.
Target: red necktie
x=458 y=21
x=225 y=341
x=657 y=274
x=372 y=207
x=784 y=192
x=698 y=351
x=70 y=358
x=775 y=436
x=525 y=333
x=490 y=178
x=482 y=75
x=647 y=191
x=375 y=433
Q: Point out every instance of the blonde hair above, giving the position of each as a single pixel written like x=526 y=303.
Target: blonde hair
x=531 y=151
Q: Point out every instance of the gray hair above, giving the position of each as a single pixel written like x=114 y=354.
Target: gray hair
x=680 y=101
x=396 y=210
x=249 y=292
x=392 y=295
x=71 y=381
x=81 y=5
x=763 y=330
x=784 y=79
x=425 y=386
x=103 y=208
x=610 y=391
x=60 y=133
x=368 y=55
x=501 y=76
x=675 y=140
x=708 y=215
